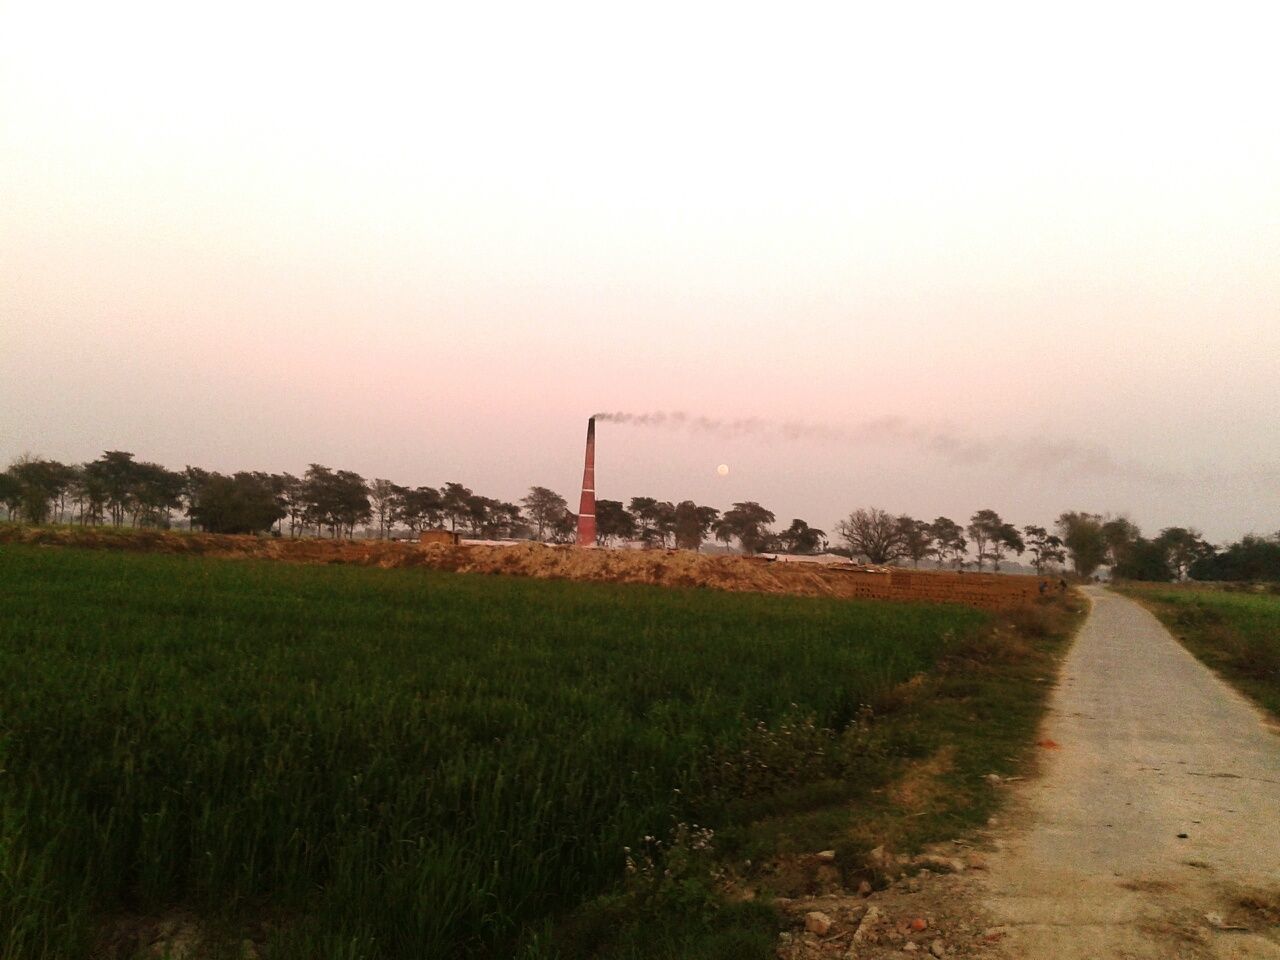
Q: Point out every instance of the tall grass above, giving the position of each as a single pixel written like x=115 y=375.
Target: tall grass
x=382 y=763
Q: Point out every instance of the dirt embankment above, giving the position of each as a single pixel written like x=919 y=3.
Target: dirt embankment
x=675 y=568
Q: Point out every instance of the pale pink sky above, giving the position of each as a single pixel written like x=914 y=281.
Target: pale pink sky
x=426 y=242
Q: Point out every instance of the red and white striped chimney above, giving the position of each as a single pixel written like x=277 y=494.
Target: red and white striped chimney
x=587 y=508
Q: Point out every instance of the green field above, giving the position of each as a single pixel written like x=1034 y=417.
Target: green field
x=368 y=763
x=1235 y=632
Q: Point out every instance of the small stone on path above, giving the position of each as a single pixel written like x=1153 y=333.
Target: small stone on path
x=818 y=923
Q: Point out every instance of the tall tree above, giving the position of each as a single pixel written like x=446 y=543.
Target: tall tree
x=984 y=527
x=646 y=511
x=564 y=528
x=115 y=474
x=749 y=523
x=1120 y=534
x=504 y=520
x=454 y=499
x=917 y=539
x=383 y=496
x=289 y=490
x=546 y=508
x=337 y=500
x=1082 y=536
x=800 y=538
x=241 y=503
x=11 y=494
x=1045 y=547
x=692 y=523
x=1252 y=558
x=479 y=514
x=664 y=522
x=419 y=509
x=157 y=492
x=37 y=484
x=1004 y=538
x=1144 y=560
x=1183 y=547
x=873 y=534
x=613 y=522
x=949 y=542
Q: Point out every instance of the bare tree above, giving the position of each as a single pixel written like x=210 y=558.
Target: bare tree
x=874 y=534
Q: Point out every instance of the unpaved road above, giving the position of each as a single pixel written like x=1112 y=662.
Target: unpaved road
x=1149 y=745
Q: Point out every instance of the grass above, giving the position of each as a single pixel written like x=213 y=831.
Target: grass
x=1235 y=632
x=355 y=763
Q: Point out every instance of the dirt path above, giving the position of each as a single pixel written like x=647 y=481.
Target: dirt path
x=1155 y=825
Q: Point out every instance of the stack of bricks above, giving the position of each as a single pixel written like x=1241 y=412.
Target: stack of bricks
x=987 y=591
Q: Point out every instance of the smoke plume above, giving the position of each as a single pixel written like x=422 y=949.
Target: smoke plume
x=946 y=442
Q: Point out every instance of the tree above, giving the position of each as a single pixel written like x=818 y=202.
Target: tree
x=90 y=496
x=1046 y=548
x=691 y=524
x=241 y=503
x=648 y=515
x=383 y=497
x=984 y=528
x=1252 y=558
x=289 y=491
x=1082 y=536
x=917 y=539
x=504 y=521
x=453 y=503
x=33 y=485
x=948 y=542
x=62 y=477
x=335 y=499
x=546 y=508
x=664 y=522
x=1119 y=534
x=613 y=522
x=10 y=494
x=565 y=527
x=800 y=538
x=156 y=492
x=480 y=515
x=749 y=523
x=1004 y=538
x=419 y=508
x=873 y=534
x=1183 y=547
x=1143 y=559
x=114 y=474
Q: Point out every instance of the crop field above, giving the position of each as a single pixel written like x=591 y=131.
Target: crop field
x=369 y=763
x=1236 y=632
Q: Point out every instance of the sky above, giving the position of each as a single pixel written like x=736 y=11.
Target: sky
x=928 y=258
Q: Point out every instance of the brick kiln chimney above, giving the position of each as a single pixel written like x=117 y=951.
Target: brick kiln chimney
x=587 y=508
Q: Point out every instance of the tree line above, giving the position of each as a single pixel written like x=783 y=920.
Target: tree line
x=1089 y=540
x=118 y=489
x=882 y=538
x=1175 y=553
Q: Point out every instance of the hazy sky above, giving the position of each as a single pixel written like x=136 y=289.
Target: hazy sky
x=987 y=256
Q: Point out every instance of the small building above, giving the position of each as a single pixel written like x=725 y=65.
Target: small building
x=439 y=536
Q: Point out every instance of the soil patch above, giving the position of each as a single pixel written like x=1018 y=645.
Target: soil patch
x=672 y=568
